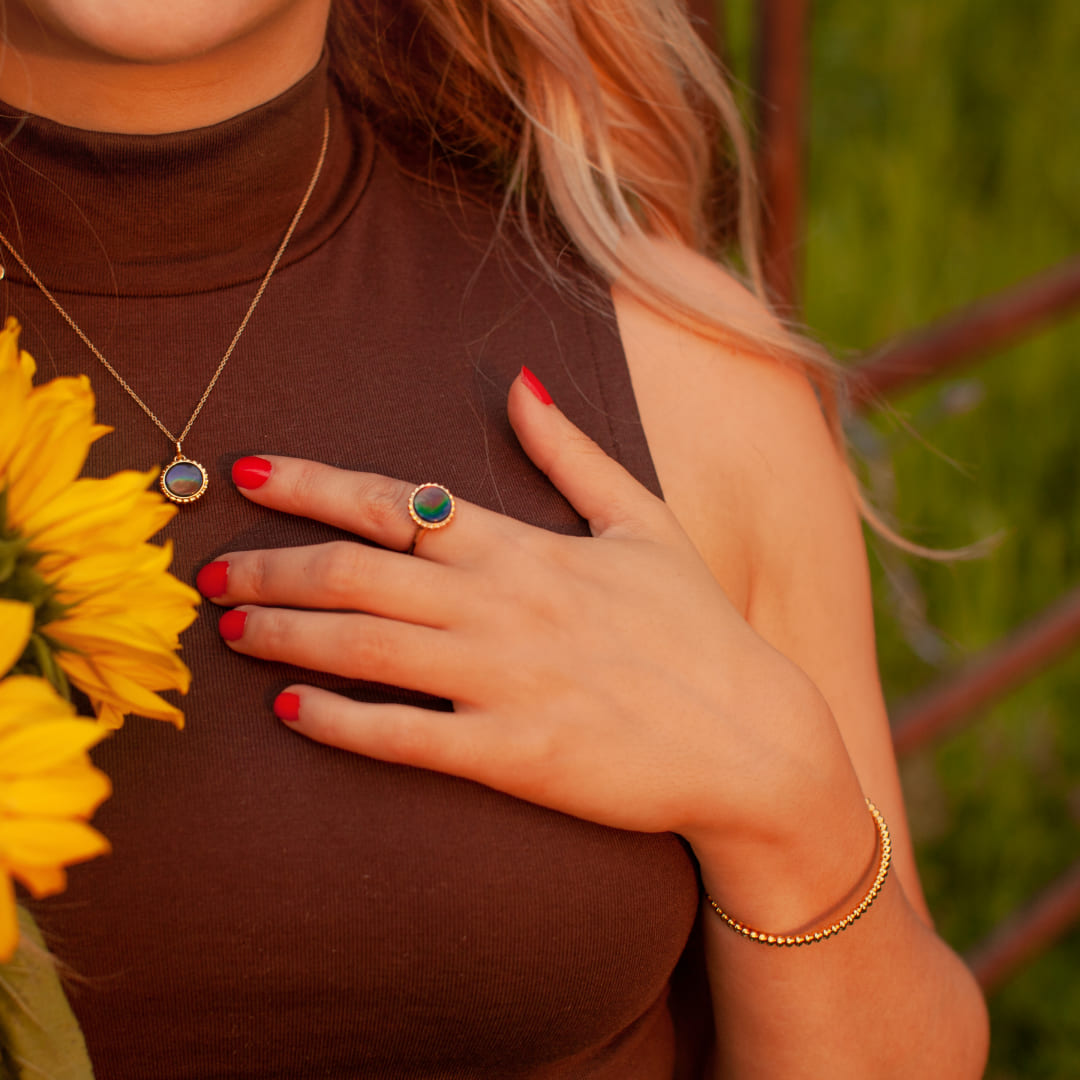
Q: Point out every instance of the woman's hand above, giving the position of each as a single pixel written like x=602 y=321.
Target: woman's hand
x=607 y=677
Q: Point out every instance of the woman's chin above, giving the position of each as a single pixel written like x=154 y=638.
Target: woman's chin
x=139 y=31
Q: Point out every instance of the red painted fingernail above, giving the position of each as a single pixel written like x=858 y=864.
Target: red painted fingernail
x=287 y=707
x=251 y=472
x=231 y=625
x=213 y=579
x=535 y=385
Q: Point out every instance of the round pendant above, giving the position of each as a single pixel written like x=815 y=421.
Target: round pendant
x=183 y=481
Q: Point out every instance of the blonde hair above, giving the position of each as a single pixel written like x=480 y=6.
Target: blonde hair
x=603 y=123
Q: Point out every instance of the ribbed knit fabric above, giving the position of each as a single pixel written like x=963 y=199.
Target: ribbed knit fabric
x=275 y=908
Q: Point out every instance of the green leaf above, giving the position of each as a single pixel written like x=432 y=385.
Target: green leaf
x=47 y=665
x=40 y=1038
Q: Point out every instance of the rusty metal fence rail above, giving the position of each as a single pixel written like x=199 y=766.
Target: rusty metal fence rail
x=781 y=77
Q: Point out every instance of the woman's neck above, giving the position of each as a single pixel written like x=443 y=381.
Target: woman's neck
x=118 y=214
x=183 y=66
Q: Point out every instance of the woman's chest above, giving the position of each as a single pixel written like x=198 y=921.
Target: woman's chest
x=273 y=906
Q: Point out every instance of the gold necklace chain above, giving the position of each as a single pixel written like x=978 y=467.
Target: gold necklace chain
x=190 y=480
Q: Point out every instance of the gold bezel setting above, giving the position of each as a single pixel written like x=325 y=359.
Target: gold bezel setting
x=181 y=499
x=419 y=519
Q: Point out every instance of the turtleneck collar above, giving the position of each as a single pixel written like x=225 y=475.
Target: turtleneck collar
x=184 y=212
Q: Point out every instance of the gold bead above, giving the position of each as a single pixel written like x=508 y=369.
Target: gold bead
x=820 y=935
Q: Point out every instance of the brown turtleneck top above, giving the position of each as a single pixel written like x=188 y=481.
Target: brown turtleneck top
x=273 y=907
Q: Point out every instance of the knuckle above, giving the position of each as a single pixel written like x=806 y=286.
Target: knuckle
x=535 y=590
x=559 y=459
x=517 y=557
x=256 y=571
x=340 y=567
x=578 y=442
x=539 y=746
x=384 y=503
x=370 y=655
x=305 y=481
x=270 y=631
x=573 y=450
x=544 y=611
x=409 y=739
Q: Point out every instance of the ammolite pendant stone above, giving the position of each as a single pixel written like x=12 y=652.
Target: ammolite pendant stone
x=183 y=481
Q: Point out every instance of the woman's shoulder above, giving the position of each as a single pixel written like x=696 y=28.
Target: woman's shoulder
x=741 y=445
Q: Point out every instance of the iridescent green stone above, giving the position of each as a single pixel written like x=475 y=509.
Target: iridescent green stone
x=183 y=480
x=432 y=504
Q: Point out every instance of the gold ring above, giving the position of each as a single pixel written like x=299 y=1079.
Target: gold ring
x=431 y=506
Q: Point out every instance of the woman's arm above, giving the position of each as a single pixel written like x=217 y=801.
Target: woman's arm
x=780 y=531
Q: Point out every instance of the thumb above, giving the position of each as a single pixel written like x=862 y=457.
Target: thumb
x=596 y=485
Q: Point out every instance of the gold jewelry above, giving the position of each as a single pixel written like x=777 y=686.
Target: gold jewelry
x=184 y=480
x=820 y=935
x=431 y=506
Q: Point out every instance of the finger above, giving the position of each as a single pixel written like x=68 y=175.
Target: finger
x=337 y=576
x=403 y=734
x=356 y=646
x=597 y=486
x=367 y=504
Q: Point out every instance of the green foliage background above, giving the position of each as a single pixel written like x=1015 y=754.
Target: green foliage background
x=945 y=164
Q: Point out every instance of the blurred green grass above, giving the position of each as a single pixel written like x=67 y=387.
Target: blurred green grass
x=944 y=165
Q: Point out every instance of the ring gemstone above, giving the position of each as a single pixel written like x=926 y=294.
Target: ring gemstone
x=183 y=481
x=431 y=506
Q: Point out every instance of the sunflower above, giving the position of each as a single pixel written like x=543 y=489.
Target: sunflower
x=107 y=614
x=48 y=788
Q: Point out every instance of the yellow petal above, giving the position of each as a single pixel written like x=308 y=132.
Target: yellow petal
x=12 y=415
x=9 y=921
x=167 y=674
x=35 y=747
x=53 y=447
x=42 y=880
x=146 y=516
x=70 y=791
x=11 y=357
x=158 y=667
x=27 y=698
x=111 y=718
x=85 y=508
x=104 y=569
x=16 y=622
x=161 y=670
x=119 y=634
x=121 y=579
x=165 y=608
x=109 y=571
x=38 y=842
x=109 y=687
x=9 y=343
x=10 y=354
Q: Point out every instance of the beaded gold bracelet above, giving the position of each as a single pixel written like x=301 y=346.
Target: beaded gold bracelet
x=820 y=935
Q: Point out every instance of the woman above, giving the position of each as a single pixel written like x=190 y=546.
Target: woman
x=504 y=890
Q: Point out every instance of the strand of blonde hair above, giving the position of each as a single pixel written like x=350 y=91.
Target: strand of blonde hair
x=600 y=123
